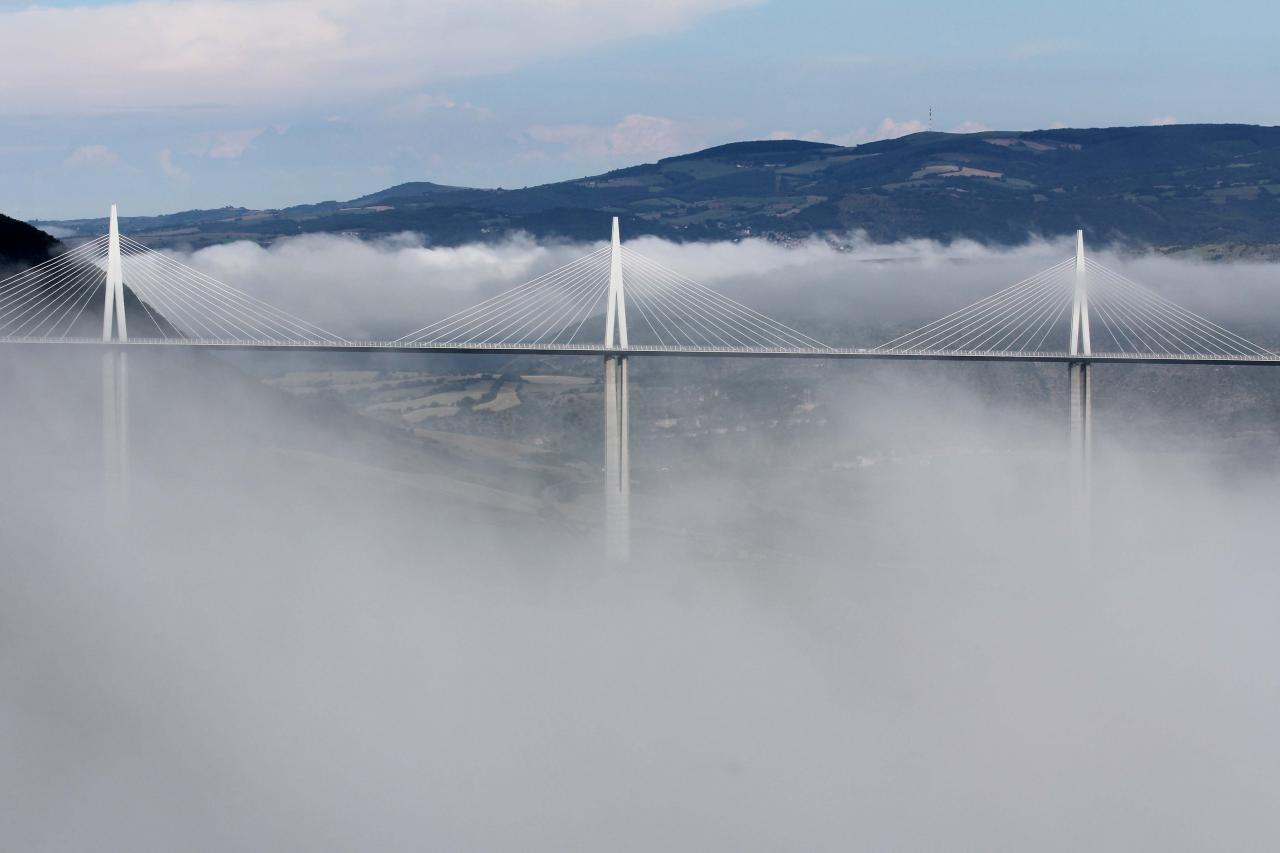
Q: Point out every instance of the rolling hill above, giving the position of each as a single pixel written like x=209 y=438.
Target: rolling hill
x=22 y=246
x=1183 y=185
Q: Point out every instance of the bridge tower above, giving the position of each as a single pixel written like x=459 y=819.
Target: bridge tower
x=113 y=306
x=616 y=312
x=1081 y=380
x=115 y=376
x=617 y=464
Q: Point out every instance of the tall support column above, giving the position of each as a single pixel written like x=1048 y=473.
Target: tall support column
x=617 y=453
x=616 y=312
x=1081 y=426
x=115 y=430
x=113 y=297
x=110 y=441
x=1081 y=379
x=122 y=424
x=617 y=462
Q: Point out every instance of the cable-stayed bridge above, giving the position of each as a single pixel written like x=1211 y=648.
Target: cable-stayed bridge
x=116 y=293
x=1075 y=311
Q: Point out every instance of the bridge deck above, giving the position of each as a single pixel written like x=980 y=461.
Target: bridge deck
x=654 y=350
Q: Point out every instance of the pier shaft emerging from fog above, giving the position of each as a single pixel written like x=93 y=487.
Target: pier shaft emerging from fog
x=115 y=429
x=1081 y=381
x=1081 y=431
x=617 y=462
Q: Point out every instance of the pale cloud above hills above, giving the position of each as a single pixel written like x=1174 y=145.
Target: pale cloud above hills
x=149 y=55
x=888 y=128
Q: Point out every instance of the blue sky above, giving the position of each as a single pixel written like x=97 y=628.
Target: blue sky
x=162 y=106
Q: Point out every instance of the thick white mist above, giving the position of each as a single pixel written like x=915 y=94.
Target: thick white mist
x=306 y=635
x=857 y=291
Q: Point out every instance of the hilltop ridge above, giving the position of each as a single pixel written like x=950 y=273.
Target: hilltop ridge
x=1180 y=185
x=23 y=246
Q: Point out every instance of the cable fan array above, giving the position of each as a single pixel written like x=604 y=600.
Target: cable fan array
x=64 y=296
x=196 y=305
x=1034 y=315
x=550 y=309
x=679 y=311
x=663 y=308
x=50 y=299
x=1133 y=318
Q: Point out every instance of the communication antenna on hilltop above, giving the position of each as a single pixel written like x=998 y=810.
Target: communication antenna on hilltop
x=931 y=116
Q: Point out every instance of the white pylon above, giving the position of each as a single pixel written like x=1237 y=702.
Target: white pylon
x=113 y=304
x=616 y=313
x=1080 y=340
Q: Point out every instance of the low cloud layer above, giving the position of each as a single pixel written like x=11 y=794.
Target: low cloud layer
x=892 y=632
x=857 y=293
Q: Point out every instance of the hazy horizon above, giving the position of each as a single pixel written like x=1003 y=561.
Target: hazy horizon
x=280 y=102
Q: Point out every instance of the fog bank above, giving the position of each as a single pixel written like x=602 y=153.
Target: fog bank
x=857 y=294
x=885 y=631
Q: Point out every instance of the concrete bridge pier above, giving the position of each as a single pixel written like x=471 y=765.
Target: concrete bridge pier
x=115 y=429
x=617 y=462
x=1081 y=432
x=115 y=377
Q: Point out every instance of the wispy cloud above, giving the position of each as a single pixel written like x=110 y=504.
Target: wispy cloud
x=635 y=136
x=92 y=156
x=229 y=144
x=1161 y=121
x=145 y=55
x=889 y=128
x=426 y=103
x=169 y=167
